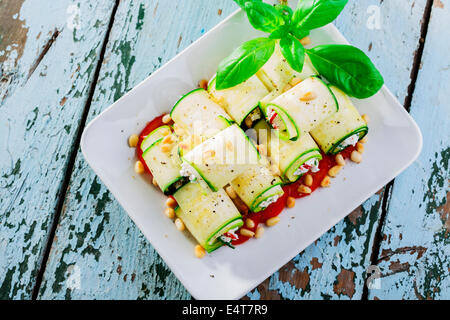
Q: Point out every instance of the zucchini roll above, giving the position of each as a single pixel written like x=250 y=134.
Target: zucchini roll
x=342 y=130
x=276 y=74
x=221 y=159
x=258 y=188
x=241 y=101
x=295 y=158
x=207 y=215
x=198 y=114
x=164 y=166
x=301 y=109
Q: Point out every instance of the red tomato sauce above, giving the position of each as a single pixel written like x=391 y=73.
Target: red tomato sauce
x=291 y=190
x=274 y=209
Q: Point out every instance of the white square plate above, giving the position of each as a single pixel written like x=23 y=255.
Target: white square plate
x=394 y=143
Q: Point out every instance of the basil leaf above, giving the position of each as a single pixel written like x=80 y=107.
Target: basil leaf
x=241 y=3
x=348 y=68
x=263 y=16
x=244 y=62
x=293 y=51
x=312 y=14
x=281 y=32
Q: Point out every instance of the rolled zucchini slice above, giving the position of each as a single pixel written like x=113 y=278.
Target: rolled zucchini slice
x=164 y=166
x=241 y=101
x=207 y=215
x=303 y=107
x=258 y=188
x=295 y=158
x=198 y=114
x=221 y=159
x=277 y=72
x=343 y=129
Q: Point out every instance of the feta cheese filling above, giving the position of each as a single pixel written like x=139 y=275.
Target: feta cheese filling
x=229 y=235
x=274 y=119
x=350 y=141
x=310 y=165
x=188 y=171
x=269 y=201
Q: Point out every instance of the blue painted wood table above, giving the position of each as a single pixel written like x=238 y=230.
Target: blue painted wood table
x=62 y=234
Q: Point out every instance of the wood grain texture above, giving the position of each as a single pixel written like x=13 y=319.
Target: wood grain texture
x=415 y=249
x=109 y=266
x=335 y=266
x=48 y=54
x=96 y=243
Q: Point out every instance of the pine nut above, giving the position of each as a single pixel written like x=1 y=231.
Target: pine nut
x=199 y=251
x=155 y=183
x=166 y=119
x=229 y=146
x=168 y=139
x=366 y=118
x=179 y=131
x=325 y=182
x=166 y=147
x=179 y=224
x=360 y=147
x=304 y=189
x=274 y=170
x=308 y=181
x=165 y=132
x=364 y=140
x=248 y=122
x=340 y=160
x=259 y=232
x=295 y=81
x=287 y=88
x=170 y=213
x=203 y=84
x=249 y=223
x=356 y=157
x=133 y=140
x=290 y=203
x=272 y=221
x=305 y=41
x=231 y=193
x=247 y=233
x=171 y=203
x=333 y=172
x=308 y=96
x=139 y=167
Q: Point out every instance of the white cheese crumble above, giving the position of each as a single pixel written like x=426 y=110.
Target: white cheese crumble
x=255 y=115
x=310 y=165
x=188 y=171
x=350 y=141
x=269 y=201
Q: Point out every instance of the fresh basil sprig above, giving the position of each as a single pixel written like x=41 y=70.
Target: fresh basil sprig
x=344 y=66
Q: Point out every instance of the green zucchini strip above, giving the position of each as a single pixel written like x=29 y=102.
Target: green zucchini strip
x=207 y=215
x=198 y=114
x=347 y=122
x=241 y=100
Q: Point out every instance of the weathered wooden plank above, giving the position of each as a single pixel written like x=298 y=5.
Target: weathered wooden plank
x=47 y=64
x=335 y=266
x=414 y=253
x=311 y=275
x=98 y=252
